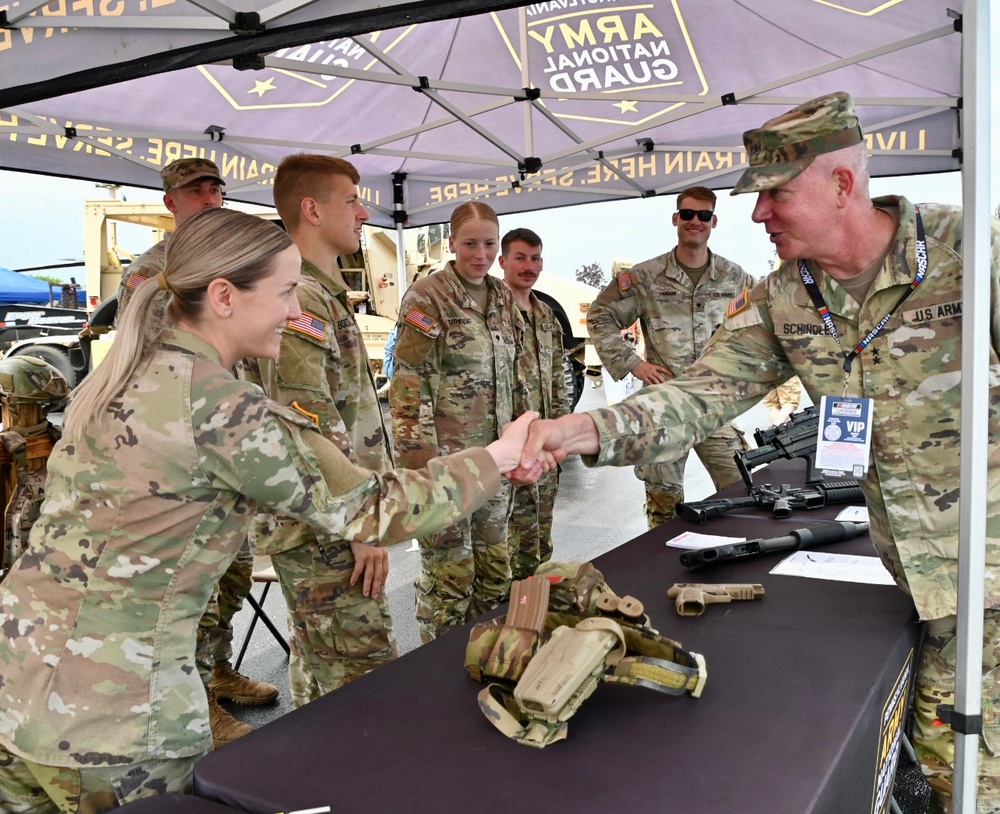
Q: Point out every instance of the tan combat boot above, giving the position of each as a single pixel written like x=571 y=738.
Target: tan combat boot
x=233 y=686
x=225 y=728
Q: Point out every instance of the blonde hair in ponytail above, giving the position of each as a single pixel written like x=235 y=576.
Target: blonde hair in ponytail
x=213 y=244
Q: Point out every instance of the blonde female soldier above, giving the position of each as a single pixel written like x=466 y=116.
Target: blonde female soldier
x=164 y=457
x=454 y=387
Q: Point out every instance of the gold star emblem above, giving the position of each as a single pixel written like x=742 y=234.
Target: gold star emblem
x=260 y=88
x=626 y=106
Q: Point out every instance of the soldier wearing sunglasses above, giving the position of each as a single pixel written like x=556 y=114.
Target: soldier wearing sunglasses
x=679 y=298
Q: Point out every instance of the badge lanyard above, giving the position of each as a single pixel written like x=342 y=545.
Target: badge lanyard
x=817 y=297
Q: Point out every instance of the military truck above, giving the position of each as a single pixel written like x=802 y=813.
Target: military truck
x=104 y=260
x=372 y=274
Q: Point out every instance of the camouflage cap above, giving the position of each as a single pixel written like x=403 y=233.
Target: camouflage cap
x=185 y=170
x=784 y=146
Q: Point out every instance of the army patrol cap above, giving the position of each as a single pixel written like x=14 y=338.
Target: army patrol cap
x=784 y=146
x=183 y=171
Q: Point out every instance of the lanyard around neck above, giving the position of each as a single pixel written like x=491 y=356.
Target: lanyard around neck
x=817 y=297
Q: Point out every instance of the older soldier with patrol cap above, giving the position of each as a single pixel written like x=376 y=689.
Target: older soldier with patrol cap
x=679 y=299
x=189 y=186
x=866 y=302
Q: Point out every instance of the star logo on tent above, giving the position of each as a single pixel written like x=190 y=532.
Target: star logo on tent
x=626 y=106
x=260 y=88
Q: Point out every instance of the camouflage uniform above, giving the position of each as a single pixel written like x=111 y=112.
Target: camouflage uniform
x=529 y=530
x=215 y=630
x=912 y=371
x=339 y=634
x=784 y=394
x=146 y=265
x=454 y=388
x=677 y=320
x=99 y=616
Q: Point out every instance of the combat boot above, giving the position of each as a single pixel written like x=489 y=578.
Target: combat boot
x=233 y=686
x=225 y=728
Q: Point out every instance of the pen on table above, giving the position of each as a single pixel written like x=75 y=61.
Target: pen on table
x=320 y=810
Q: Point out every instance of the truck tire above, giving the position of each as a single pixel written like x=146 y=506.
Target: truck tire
x=55 y=356
x=574 y=381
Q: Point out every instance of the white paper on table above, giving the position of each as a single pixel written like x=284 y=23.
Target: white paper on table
x=695 y=540
x=835 y=567
x=858 y=514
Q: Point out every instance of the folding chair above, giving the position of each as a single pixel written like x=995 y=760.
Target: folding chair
x=267 y=576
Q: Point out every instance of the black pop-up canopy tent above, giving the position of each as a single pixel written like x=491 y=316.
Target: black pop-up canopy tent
x=551 y=104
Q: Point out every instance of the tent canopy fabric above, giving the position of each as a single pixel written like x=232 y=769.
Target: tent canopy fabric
x=15 y=287
x=545 y=105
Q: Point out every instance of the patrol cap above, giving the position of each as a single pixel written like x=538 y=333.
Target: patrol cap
x=784 y=146
x=185 y=170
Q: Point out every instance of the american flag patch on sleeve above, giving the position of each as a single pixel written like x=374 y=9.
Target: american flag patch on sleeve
x=309 y=325
x=739 y=304
x=419 y=320
x=135 y=279
x=624 y=282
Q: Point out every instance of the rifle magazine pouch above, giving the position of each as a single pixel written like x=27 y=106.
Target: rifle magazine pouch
x=502 y=648
x=543 y=666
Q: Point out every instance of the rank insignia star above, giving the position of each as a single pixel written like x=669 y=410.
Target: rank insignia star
x=875 y=357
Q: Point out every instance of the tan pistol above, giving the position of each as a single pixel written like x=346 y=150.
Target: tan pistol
x=691 y=597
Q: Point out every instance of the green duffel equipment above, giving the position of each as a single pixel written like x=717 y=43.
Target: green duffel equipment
x=565 y=633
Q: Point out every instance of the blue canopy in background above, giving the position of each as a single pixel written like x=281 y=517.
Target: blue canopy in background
x=15 y=287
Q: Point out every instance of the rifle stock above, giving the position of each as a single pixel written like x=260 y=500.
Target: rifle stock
x=795 y=438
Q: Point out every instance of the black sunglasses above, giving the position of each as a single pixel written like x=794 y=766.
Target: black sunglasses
x=704 y=215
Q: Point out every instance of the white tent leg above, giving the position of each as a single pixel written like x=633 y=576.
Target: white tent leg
x=975 y=392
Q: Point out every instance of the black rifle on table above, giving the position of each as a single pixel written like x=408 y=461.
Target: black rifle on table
x=800 y=538
x=795 y=438
x=781 y=501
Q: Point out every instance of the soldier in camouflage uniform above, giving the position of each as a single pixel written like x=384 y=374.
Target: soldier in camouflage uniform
x=529 y=530
x=679 y=299
x=151 y=492
x=809 y=167
x=339 y=615
x=189 y=186
x=454 y=387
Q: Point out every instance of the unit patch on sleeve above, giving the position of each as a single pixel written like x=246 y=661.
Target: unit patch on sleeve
x=739 y=304
x=309 y=325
